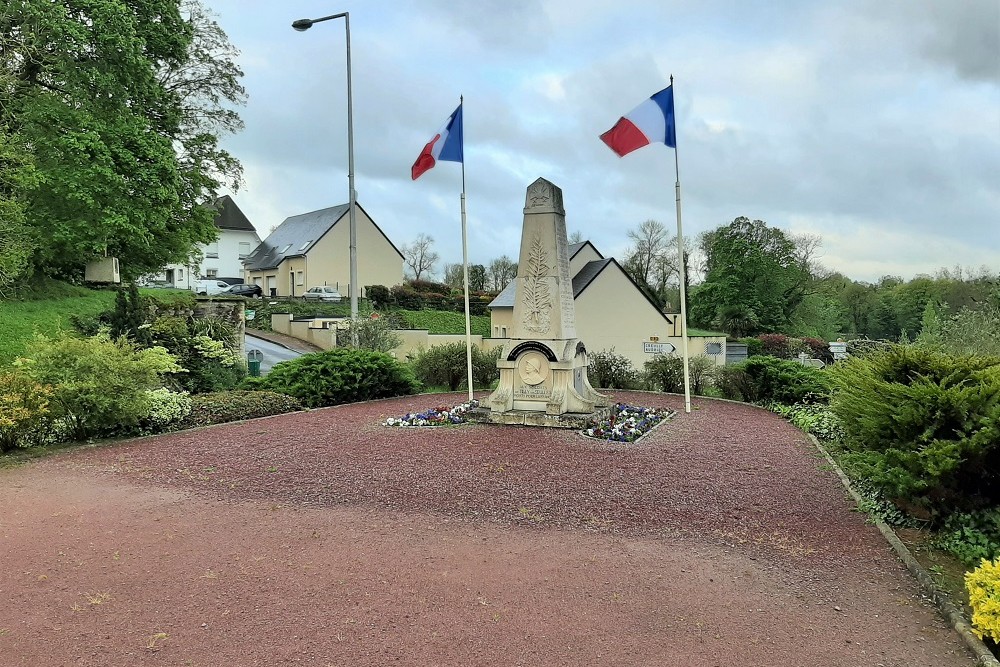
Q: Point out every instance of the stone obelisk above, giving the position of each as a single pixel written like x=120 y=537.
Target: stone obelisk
x=543 y=367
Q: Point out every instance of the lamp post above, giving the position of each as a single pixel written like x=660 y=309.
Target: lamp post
x=305 y=24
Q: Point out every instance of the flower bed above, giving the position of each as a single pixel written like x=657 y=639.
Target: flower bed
x=439 y=416
x=626 y=423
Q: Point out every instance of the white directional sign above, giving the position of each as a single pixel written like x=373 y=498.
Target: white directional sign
x=658 y=348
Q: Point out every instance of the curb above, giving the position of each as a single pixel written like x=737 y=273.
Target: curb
x=984 y=658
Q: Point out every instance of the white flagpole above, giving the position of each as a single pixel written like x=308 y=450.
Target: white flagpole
x=465 y=265
x=680 y=256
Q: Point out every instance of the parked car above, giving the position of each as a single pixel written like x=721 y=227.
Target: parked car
x=244 y=289
x=324 y=293
x=210 y=287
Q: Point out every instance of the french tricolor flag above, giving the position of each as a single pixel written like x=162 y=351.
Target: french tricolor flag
x=650 y=122
x=446 y=145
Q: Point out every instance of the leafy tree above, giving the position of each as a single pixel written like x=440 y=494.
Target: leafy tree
x=123 y=142
x=454 y=277
x=501 y=271
x=757 y=276
x=420 y=257
x=16 y=245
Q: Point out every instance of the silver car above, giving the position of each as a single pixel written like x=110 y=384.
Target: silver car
x=324 y=293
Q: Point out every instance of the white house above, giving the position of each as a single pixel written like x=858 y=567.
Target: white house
x=221 y=259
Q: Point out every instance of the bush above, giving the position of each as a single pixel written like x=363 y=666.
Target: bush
x=923 y=425
x=814 y=418
x=340 y=376
x=379 y=296
x=755 y=347
x=374 y=332
x=166 y=409
x=24 y=404
x=663 y=373
x=99 y=385
x=209 y=363
x=447 y=366
x=776 y=345
x=983 y=585
x=971 y=537
x=765 y=378
x=818 y=348
x=227 y=406
x=611 y=371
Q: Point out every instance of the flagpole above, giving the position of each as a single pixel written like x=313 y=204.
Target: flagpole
x=465 y=270
x=683 y=291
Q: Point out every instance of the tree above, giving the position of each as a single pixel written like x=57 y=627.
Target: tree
x=576 y=236
x=500 y=272
x=651 y=261
x=454 y=277
x=757 y=276
x=16 y=245
x=124 y=142
x=420 y=257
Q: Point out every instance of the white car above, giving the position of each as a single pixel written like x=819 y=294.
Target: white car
x=324 y=293
x=210 y=287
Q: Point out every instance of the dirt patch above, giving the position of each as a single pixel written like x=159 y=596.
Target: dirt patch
x=326 y=539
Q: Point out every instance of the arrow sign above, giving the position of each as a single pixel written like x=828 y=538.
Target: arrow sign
x=658 y=348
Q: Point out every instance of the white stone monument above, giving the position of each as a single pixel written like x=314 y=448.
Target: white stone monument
x=543 y=367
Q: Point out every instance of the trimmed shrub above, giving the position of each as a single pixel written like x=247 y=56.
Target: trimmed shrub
x=983 y=585
x=755 y=347
x=924 y=426
x=24 y=404
x=611 y=371
x=374 y=332
x=765 y=378
x=228 y=406
x=99 y=385
x=776 y=345
x=340 y=376
x=447 y=366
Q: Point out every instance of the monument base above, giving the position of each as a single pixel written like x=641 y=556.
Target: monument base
x=569 y=420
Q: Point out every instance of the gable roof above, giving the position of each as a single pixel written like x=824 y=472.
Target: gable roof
x=574 y=248
x=293 y=237
x=584 y=277
x=298 y=234
x=230 y=216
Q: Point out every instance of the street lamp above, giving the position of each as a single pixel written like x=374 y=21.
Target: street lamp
x=302 y=25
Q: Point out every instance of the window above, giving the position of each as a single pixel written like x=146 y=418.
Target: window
x=180 y=274
x=305 y=245
x=244 y=249
x=285 y=249
x=503 y=332
x=496 y=331
x=299 y=278
x=212 y=273
x=212 y=250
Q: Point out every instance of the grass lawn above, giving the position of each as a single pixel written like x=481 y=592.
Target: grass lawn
x=446 y=322
x=46 y=311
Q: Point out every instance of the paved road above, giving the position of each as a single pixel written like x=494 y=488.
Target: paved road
x=273 y=353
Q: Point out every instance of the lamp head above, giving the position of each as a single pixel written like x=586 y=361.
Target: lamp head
x=302 y=24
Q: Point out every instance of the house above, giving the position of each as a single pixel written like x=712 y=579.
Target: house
x=223 y=258
x=612 y=311
x=313 y=249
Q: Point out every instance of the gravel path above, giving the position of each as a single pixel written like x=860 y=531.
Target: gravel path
x=323 y=538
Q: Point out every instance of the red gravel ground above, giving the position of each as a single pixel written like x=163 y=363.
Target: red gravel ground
x=324 y=538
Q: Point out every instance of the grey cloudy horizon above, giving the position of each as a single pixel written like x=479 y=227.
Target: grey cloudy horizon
x=873 y=125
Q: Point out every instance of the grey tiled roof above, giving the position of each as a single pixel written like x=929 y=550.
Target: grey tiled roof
x=230 y=216
x=582 y=278
x=294 y=237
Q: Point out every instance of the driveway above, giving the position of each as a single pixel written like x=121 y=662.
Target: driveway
x=323 y=538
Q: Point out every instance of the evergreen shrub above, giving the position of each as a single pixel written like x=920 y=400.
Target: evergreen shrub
x=923 y=425
x=227 y=406
x=612 y=371
x=447 y=366
x=340 y=376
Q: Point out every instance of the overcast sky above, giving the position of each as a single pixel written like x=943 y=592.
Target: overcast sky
x=874 y=124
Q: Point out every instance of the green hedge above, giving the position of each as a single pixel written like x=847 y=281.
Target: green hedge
x=765 y=378
x=924 y=426
x=338 y=376
x=227 y=406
